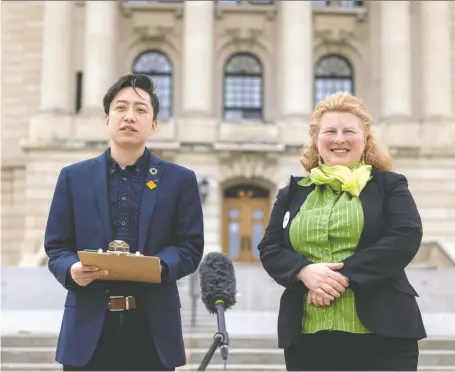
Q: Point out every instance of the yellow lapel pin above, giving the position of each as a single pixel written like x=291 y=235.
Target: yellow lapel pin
x=151 y=185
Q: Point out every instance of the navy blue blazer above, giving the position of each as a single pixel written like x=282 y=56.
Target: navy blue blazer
x=170 y=227
x=391 y=237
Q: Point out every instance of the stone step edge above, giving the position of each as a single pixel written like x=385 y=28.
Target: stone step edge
x=211 y=335
x=230 y=367
x=190 y=351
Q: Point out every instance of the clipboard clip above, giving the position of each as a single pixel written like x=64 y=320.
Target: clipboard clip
x=118 y=247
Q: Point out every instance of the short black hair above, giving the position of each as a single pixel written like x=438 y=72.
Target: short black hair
x=135 y=81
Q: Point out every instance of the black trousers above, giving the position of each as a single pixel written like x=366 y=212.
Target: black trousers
x=125 y=344
x=342 y=351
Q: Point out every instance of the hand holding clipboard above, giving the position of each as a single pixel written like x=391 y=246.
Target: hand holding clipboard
x=123 y=265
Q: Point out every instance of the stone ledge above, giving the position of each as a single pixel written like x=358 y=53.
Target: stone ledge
x=241 y=323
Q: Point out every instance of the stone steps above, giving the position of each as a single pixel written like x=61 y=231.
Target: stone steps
x=37 y=353
x=437 y=211
x=193 y=367
x=203 y=340
x=46 y=355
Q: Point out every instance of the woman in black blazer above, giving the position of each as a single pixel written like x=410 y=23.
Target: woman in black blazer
x=339 y=240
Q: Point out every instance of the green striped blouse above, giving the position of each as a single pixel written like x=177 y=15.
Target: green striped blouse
x=327 y=229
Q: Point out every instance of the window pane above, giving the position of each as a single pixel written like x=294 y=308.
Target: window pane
x=258 y=214
x=234 y=243
x=258 y=232
x=351 y=3
x=243 y=96
x=234 y=214
x=152 y=62
x=158 y=67
x=327 y=86
x=320 y=3
x=333 y=66
x=261 y=2
x=244 y=64
x=333 y=74
x=164 y=92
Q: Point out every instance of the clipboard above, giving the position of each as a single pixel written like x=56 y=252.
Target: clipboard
x=124 y=267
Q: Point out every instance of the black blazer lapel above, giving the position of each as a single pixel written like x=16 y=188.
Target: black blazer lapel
x=101 y=195
x=149 y=196
x=371 y=201
x=298 y=195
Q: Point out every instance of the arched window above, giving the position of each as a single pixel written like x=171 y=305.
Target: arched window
x=158 y=66
x=243 y=88
x=333 y=73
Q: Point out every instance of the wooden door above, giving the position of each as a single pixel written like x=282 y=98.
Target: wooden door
x=244 y=222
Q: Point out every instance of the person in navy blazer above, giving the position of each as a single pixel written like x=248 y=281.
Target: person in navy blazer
x=153 y=205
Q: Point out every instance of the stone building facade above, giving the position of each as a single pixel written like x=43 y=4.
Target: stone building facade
x=237 y=82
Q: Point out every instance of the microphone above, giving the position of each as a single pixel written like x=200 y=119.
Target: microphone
x=218 y=291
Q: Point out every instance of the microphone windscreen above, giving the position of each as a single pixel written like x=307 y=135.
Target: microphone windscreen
x=217 y=280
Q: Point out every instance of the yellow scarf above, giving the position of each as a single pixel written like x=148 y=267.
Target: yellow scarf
x=340 y=178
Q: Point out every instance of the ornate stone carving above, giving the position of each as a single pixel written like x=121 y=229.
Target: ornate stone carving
x=335 y=36
x=151 y=32
x=247 y=165
x=244 y=34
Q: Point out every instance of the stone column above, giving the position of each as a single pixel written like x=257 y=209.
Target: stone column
x=57 y=75
x=296 y=59
x=100 y=65
x=437 y=75
x=395 y=41
x=198 y=58
x=57 y=72
x=100 y=53
x=396 y=59
x=436 y=51
x=196 y=122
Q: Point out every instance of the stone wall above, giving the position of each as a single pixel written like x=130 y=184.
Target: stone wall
x=21 y=68
x=12 y=213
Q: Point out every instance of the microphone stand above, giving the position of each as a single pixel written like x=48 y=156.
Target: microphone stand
x=217 y=340
x=220 y=338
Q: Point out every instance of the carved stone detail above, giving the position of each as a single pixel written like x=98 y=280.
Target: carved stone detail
x=247 y=165
x=153 y=32
x=335 y=36
x=244 y=34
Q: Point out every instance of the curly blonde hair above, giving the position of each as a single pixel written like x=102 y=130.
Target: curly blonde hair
x=374 y=154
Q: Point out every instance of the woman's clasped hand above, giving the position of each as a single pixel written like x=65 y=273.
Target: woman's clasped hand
x=323 y=282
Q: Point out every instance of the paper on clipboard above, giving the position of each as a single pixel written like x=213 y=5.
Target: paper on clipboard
x=145 y=269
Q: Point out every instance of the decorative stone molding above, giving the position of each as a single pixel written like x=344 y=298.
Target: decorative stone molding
x=339 y=37
x=245 y=35
x=260 y=25
x=154 y=23
x=152 y=33
x=359 y=14
x=258 y=166
x=269 y=11
x=128 y=10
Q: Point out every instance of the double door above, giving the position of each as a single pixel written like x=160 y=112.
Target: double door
x=245 y=220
